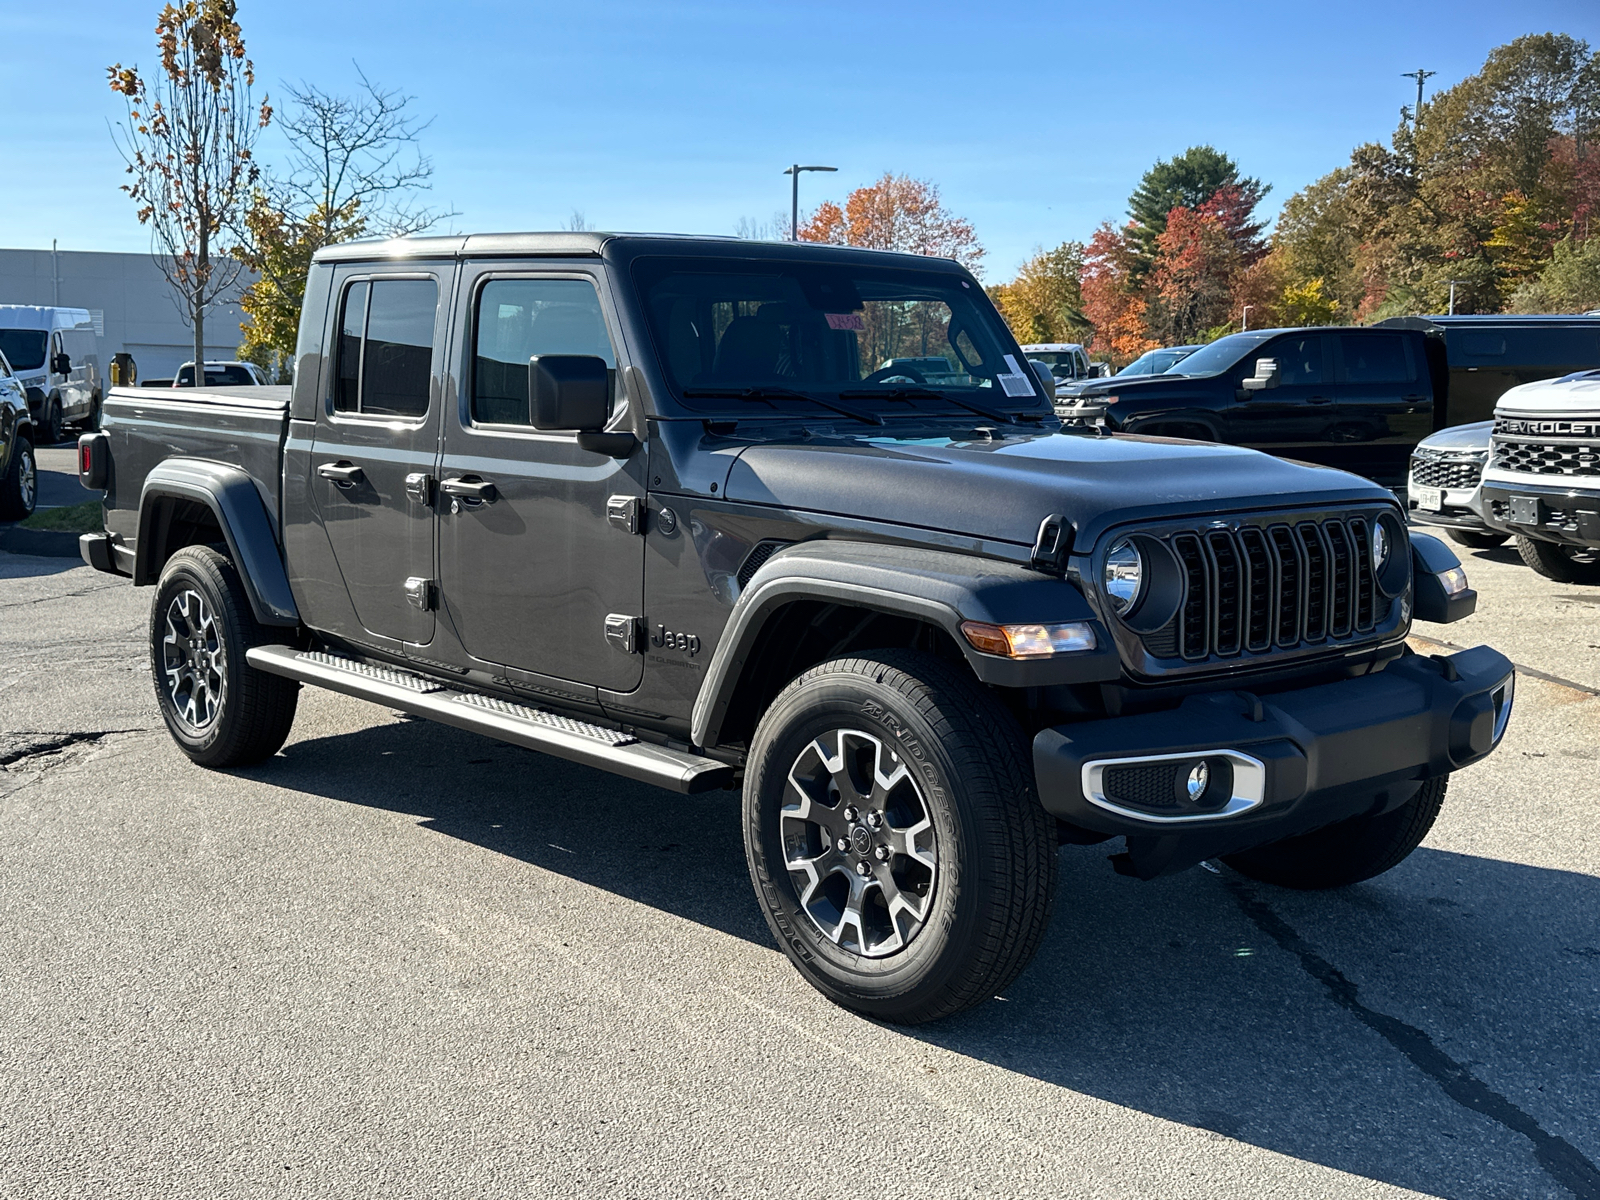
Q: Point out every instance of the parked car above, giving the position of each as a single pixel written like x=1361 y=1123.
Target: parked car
x=223 y=374
x=1068 y=361
x=1354 y=398
x=646 y=503
x=56 y=356
x=19 y=475
x=1157 y=362
x=1488 y=355
x=1542 y=483
x=1443 y=487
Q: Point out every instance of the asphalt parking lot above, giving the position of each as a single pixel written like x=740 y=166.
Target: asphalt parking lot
x=402 y=960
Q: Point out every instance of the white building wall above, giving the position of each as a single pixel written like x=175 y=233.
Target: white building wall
x=141 y=313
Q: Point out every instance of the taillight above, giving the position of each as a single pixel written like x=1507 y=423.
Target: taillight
x=94 y=460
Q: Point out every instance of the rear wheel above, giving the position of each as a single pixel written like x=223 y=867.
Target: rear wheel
x=19 y=490
x=1349 y=851
x=221 y=711
x=50 y=426
x=1567 y=564
x=896 y=842
x=1474 y=540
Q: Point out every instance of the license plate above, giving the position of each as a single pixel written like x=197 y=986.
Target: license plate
x=1524 y=510
x=1431 y=499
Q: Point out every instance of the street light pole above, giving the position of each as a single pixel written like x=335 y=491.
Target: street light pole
x=1419 y=75
x=794 y=199
x=1244 y=318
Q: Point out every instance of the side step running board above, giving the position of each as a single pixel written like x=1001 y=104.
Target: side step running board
x=532 y=728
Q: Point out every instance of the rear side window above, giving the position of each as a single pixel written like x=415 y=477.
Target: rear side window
x=1512 y=347
x=1375 y=358
x=386 y=347
x=1299 y=359
x=519 y=318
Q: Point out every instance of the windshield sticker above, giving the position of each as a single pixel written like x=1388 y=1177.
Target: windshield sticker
x=844 y=320
x=1013 y=381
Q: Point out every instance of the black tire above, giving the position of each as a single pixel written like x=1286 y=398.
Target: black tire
x=228 y=714
x=50 y=423
x=91 y=423
x=1349 y=851
x=963 y=776
x=1473 y=540
x=1566 y=564
x=19 y=490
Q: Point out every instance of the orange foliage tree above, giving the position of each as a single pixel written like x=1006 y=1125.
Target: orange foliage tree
x=896 y=213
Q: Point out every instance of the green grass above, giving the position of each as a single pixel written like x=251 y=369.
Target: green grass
x=73 y=518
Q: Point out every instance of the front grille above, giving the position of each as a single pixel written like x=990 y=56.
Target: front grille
x=1547 y=458
x=1268 y=588
x=1441 y=472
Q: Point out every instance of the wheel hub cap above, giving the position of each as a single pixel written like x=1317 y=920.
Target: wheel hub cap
x=194 y=661
x=858 y=842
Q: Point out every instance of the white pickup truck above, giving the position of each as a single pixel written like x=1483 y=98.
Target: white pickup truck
x=1542 y=482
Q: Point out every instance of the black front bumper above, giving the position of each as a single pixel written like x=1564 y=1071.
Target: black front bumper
x=1562 y=514
x=1292 y=761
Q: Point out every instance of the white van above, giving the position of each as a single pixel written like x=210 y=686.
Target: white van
x=56 y=357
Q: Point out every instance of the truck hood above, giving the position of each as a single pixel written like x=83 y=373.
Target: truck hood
x=1571 y=395
x=1459 y=437
x=1117 y=385
x=1002 y=489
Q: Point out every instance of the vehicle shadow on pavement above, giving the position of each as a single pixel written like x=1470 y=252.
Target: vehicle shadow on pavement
x=30 y=566
x=1181 y=998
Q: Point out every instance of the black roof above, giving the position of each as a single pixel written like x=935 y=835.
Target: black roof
x=1471 y=320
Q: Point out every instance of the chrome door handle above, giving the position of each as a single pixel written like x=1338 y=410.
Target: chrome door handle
x=342 y=473
x=467 y=488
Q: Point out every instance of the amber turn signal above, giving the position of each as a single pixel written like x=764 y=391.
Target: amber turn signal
x=1029 y=641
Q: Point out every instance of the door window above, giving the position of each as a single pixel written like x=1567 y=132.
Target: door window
x=1299 y=359
x=1375 y=358
x=386 y=347
x=516 y=319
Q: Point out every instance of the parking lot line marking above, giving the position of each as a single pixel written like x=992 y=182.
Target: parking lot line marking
x=1521 y=670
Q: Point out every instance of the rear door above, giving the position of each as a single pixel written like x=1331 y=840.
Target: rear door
x=1385 y=400
x=532 y=568
x=375 y=445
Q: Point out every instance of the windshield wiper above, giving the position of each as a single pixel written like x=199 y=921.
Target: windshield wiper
x=920 y=393
x=778 y=393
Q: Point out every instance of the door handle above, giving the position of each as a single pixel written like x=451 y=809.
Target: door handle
x=342 y=473
x=467 y=488
x=1319 y=400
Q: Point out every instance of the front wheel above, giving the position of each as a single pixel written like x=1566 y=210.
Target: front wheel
x=1472 y=539
x=895 y=839
x=1349 y=851
x=221 y=711
x=1565 y=564
x=19 y=490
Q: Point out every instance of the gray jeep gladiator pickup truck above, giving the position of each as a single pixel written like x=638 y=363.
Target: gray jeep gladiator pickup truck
x=650 y=503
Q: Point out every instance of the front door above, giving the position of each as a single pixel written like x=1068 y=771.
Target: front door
x=1296 y=418
x=375 y=445
x=531 y=563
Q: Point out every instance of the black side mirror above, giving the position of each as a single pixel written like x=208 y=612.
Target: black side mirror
x=1047 y=381
x=61 y=364
x=572 y=391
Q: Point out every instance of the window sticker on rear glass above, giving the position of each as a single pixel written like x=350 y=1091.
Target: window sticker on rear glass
x=844 y=321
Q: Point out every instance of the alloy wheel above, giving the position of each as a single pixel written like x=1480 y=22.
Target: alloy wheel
x=194 y=661
x=859 y=843
x=27 y=479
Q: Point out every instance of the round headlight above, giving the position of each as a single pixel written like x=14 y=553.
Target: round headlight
x=1380 y=547
x=1124 y=576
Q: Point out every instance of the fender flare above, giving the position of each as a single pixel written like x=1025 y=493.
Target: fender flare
x=939 y=587
x=232 y=497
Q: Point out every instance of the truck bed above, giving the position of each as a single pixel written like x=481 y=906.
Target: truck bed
x=240 y=426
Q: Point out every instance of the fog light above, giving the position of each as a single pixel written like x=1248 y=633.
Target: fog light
x=1029 y=641
x=1198 y=778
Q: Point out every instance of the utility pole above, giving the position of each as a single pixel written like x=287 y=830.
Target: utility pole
x=1244 y=318
x=1419 y=75
x=794 y=209
x=55 y=275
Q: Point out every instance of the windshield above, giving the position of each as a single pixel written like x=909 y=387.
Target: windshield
x=1221 y=354
x=888 y=341
x=1156 y=362
x=23 y=348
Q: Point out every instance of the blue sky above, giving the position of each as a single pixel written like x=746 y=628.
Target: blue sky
x=1035 y=119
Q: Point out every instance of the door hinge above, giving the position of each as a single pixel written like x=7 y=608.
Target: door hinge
x=625 y=512
x=624 y=632
x=421 y=593
x=419 y=487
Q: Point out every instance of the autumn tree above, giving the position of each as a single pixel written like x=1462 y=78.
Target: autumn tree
x=189 y=142
x=354 y=168
x=897 y=213
x=1044 y=303
x=1187 y=180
